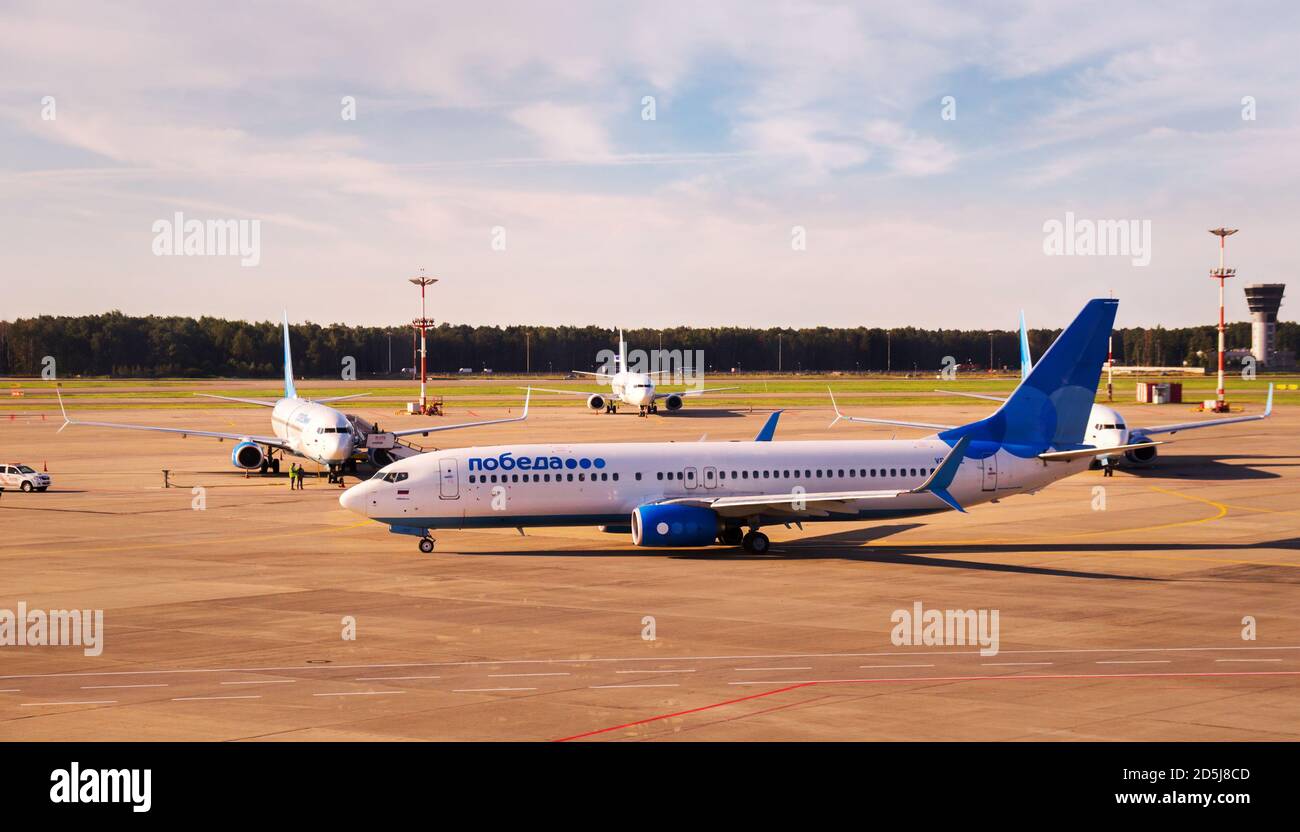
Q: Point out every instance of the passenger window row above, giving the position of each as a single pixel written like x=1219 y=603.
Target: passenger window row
x=603 y=476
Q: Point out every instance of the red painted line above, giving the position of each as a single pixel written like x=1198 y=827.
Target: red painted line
x=1003 y=678
x=1050 y=676
x=684 y=713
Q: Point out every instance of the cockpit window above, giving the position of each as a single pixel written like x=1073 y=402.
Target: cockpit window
x=393 y=476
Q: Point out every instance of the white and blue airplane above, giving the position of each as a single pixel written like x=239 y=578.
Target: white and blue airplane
x=305 y=428
x=697 y=493
x=1107 y=429
x=631 y=388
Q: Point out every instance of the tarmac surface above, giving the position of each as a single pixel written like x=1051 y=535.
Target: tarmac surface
x=226 y=608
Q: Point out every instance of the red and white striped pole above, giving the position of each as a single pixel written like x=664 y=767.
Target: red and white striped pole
x=1222 y=273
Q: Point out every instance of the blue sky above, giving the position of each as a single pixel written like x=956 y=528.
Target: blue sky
x=527 y=117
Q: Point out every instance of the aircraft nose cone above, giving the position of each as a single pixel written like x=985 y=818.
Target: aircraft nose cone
x=354 y=499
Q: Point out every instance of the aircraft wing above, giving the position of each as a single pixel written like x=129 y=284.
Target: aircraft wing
x=272 y=441
x=1082 y=453
x=1208 y=423
x=605 y=376
x=340 y=398
x=972 y=395
x=262 y=402
x=425 y=431
x=895 y=422
x=569 y=392
x=701 y=392
x=822 y=504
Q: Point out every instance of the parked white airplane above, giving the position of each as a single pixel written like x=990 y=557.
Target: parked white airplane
x=631 y=388
x=304 y=428
x=696 y=493
x=1106 y=427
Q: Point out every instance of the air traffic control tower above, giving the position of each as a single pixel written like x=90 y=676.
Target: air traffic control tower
x=1264 y=300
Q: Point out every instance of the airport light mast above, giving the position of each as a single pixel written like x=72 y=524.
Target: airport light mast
x=422 y=323
x=1221 y=274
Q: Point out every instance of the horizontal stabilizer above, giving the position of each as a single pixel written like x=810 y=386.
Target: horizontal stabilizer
x=769 y=427
x=938 y=482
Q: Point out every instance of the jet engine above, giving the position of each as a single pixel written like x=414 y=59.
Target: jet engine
x=673 y=402
x=674 y=526
x=1141 y=456
x=596 y=402
x=247 y=455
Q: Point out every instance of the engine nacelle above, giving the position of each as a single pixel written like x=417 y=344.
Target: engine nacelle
x=674 y=526
x=247 y=455
x=1141 y=456
x=596 y=402
x=673 y=402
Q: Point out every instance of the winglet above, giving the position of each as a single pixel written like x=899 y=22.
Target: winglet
x=836 y=407
x=769 y=427
x=938 y=482
x=67 y=421
x=289 y=391
x=527 y=398
x=1268 y=408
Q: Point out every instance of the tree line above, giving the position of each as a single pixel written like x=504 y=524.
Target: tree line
x=114 y=344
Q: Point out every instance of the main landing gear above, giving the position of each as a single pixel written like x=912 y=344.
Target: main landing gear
x=269 y=464
x=647 y=409
x=426 y=544
x=752 y=541
x=611 y=408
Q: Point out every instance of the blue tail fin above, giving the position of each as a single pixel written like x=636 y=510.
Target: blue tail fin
x=1050 y=408
x=289 y=391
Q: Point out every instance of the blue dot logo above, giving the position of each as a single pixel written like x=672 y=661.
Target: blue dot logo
x=585 y=463
x=600 y=463
x=570 y=463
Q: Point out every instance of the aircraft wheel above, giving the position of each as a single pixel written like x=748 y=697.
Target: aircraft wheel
x=755 y=542
x=426 y=545
x=731 y=536
x=26 y=487
x=275 y=465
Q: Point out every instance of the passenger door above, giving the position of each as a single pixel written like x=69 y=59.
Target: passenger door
x=690 y=478
x=990 y=466
x=710 y=477
x=448 y=480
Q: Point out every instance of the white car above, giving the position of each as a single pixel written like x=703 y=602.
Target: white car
x=23 y=478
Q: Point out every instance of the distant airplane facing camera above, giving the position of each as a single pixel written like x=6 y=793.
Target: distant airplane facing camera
x=1106 y=427
x=305 y=428
x=632 y=388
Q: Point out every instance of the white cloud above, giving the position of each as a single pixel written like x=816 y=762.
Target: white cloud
x=565 y=132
